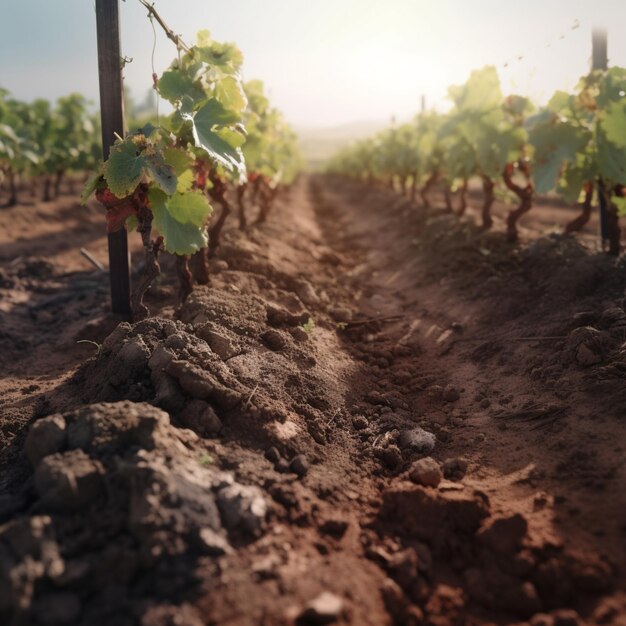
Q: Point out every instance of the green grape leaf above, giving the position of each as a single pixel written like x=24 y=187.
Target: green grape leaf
x=612 y=85
x=161 y=172
x=174 y=85
x=185 y=181
x=554 y=145
x=175 y=121
x=178 y=238
x=178 y=159
x=147 y=130
x=613 y=123
x=480 y=92
x=190 y=208
x=216 y=147
x=234 y=138
x=214 y=112
x=571 y=183
x=91 y=184
x=225 y=56
x=611 y=160
x=231 y=94
x=124 y=168
x=559 y=102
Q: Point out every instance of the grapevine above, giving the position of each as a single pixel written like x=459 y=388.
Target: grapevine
x=168 y=175
x=569 y=147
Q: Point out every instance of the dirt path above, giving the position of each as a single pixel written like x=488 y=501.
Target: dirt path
x=426 y=339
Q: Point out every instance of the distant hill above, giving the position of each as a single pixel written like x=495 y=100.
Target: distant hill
x=319 y=144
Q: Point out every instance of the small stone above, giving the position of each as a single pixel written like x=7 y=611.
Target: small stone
x=426 y=472
x=457 y=327
x=272 y=455
x=46 y=436
x=454 y=469
x=242 y=508
x=450 y=393
x=417 y=440
x=324 y=609
x=274 y=340
x=485 y=403
x=299 y=465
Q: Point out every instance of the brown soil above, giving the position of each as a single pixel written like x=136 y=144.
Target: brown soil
x=280 y=479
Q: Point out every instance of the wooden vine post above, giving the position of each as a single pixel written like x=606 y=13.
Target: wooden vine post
x=599 y=61
x=112 y=116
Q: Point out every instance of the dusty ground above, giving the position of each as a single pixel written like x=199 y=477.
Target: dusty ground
x=284 y=483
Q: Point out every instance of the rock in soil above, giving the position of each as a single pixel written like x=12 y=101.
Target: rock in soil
x=454 y=469
x=273 y=455
x=426 y=472
x=243 y=508
x=417 y=440
x=299 y=465
x=324 y=609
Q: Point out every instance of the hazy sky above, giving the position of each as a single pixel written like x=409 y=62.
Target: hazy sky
x=325 y=62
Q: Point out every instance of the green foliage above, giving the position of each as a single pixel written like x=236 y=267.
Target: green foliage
x=271 y=147
x=573 y=140
x=205 y=130
x=179 y=225
x=41 y=139
x=205 y=133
